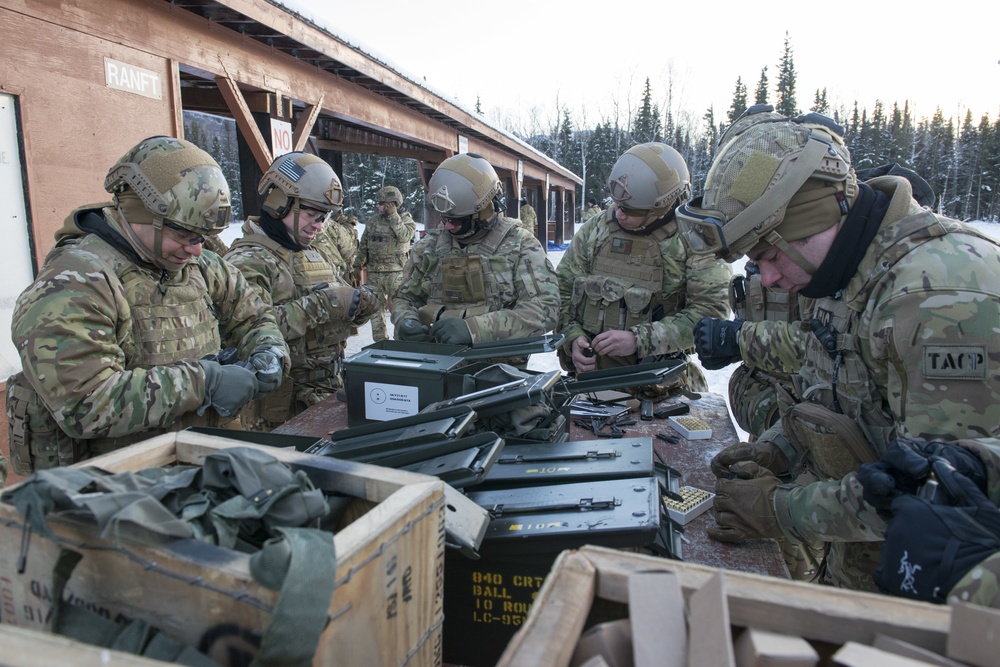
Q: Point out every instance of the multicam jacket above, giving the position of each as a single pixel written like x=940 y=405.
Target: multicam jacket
x=111 y=344
x=285 y=280
x=338 y=241
x=916 y=355
x=695 y=285
x=519 y=297
x=385 y=243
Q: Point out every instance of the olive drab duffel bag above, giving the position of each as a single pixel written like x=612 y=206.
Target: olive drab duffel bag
x=241 y=498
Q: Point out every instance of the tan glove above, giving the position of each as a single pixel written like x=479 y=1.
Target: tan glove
x=341 y=298
x=763 y=452
x=367 y=302
x=389 y=208
x=744 y=505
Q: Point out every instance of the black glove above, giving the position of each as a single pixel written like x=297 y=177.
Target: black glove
x=716 y=342
x=227 y=388
x=413 y=331
x=928 y=546
x=451 y=331
x=266 y=363
x=905 y=465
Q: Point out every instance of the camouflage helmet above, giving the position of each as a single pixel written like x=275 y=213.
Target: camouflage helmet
x=650 y=177
x=390 y=194
x=177 y=182
x=754 y=400
x=464 y=185
x=301 y=176
x=763 y=160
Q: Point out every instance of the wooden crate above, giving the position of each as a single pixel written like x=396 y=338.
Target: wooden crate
x=817 y=613
x=387 y=603
x=32 y=648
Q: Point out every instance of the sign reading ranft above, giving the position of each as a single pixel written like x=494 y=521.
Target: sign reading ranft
x=132 y=79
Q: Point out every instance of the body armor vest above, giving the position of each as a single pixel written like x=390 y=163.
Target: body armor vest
x=385 y=252
x=315 y=357
x=751 y=301
x=474 y=279
x=626 y=289
x=836 y=377
x=626 y=286
x=171 y=320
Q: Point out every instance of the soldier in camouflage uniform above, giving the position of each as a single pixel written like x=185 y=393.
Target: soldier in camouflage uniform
x=481 y=277
x=383 y=250
x=592 y=210
x=119 y=333
x=315 y=309
x=629 y=288
x=899 y=329
x=341 y=232
x=528 y=217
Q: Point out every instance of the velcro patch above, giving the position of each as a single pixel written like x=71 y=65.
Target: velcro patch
x=955 y=362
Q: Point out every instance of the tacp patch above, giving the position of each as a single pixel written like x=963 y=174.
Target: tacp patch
x=954 y=362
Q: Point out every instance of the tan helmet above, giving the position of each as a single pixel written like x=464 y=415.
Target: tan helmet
x=649 y=179
x=763 y=161
x=463 y=185
x=176 y=182
x=302 y=177
x=390 y=194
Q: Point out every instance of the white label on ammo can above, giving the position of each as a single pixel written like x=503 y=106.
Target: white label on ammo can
x=390 y=401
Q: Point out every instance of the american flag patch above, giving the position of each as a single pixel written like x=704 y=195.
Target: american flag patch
x=291 y=170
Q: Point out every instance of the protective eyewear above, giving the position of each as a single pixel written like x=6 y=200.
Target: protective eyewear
x=633 y=212
x=702 y=230
x=316 y=214
x=458 y=222
x=181 y=233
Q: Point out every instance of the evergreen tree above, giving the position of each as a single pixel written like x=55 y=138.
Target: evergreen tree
x=968 y=159
x=739 y=104
x=820 y=105
x=479 y=106
x=785 y=92
x=647 y=125
x=760 y=94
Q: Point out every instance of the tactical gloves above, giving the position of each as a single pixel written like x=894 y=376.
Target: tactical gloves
x=266 y=363
x=744 y=505
x=413 y=331
x=451 y=331
x=365 y=303
x=227 y=388
x=389 y=208
x=763 y=452
x=906 y=465
x=929 y=547
x=357 y=304
x=717 y=343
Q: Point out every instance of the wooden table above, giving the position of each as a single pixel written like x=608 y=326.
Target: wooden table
x=690 y=458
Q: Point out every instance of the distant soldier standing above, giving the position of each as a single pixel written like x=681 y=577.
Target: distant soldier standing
x=315 y=309
x=528 y=218
x=384 y=249
x=479 y=277
x=118 y=333
x=338 y=241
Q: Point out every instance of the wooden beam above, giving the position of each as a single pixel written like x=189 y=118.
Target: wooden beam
x=175 y=98
x=244 y=121
x=304 y=126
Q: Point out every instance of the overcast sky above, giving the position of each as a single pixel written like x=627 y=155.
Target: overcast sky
x=520 y=56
